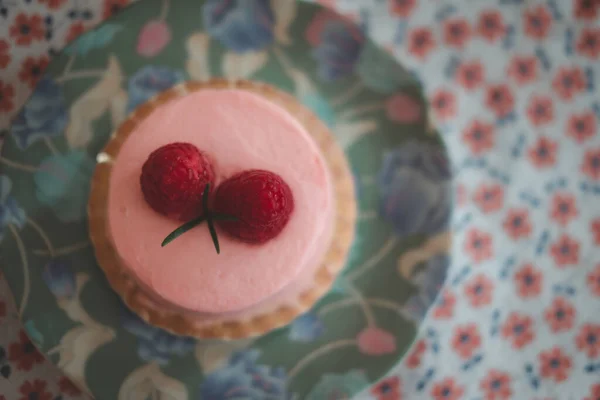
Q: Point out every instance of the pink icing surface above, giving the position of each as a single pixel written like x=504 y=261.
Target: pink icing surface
x=239 y=130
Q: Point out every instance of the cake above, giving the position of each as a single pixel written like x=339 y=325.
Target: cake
x=245 y=132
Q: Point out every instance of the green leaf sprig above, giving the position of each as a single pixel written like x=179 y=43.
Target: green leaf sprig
x=208 y=216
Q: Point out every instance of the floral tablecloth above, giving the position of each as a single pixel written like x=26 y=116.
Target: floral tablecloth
x=512 y=85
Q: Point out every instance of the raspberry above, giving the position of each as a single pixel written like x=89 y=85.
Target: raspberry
x=173 y=179
x=260 y=201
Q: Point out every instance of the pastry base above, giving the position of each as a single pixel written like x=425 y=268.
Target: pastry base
x=187 y=323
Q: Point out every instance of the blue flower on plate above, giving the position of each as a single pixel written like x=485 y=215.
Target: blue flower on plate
x=338 y=49
x=240 y=25
x=339 y=386
x=91 y=40
x=60 y=279
x=306 y=328
x=10 y=211
x=380 y=72
x=44 y=115
x=415 y=189
x=62 y=183
x=149 y=81
x=243 y=378
x=429 y=281
x=155 y=344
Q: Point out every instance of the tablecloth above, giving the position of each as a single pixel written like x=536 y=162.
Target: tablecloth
x=512 y=86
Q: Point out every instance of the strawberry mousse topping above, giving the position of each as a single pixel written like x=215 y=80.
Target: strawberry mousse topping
x=173 y=180
x=238 y=131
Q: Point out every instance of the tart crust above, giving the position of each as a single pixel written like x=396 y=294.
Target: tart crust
x=185 y=323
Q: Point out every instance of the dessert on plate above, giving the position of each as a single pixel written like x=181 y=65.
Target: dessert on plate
x=221 y=209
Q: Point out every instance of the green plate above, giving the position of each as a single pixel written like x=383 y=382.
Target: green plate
x=376 y=110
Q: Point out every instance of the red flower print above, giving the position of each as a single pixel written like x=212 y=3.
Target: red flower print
x=560 y=315
x=568 y=82
x=414 y=358
x=479 y=291
x=555 y=364
x=563 y=209
x=528 y=281
x=387 y=389
x=582 y=126
x=595 y=228
x=588 y=340
x=540 y=110
x=591 y=164
x=457 y=32
x=537 y=22
x=444 y=307
x=586 y=9
x=518 y=329
x=75 y=30
x=4 y=53
x=565 y=251
x=489 y=198
x=447 y=389
x=593 y=281
x=32 y=70
x=444 y=104
x=523 y=69
x=470 y=75
x=588 y=43
x=112 y=7
x=479 y=137
x=500 y=100
x=24 y=353
x=420 y=42
x=402 y=8
x=34 y=390
x=517 y=224
x=594 y=392
x=27 y=28
x=53 y=4
x=6 y=96
x=466 y=340
x=491 y=26
x=478 y=245
x=68 y=387
x=496 y=385
x=543 y=153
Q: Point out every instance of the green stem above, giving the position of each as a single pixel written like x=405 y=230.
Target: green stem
x=207 y=216
x=25 y=266
x=182 y=229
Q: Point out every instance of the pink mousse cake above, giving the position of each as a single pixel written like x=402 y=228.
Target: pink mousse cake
x=249 y=287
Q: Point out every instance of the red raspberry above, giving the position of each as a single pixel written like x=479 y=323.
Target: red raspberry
x=173 y=179
x=260 y=200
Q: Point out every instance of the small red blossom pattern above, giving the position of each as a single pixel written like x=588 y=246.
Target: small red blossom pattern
x=518 y=330
x=555 y=364
x=478 y=245
x=479 y=137
x=528 y=281
x=496 y=385
x=560 y=316
x=466 y=340
x=479 y=291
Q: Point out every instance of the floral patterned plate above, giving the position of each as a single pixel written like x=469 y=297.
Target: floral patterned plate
x=374 y=107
